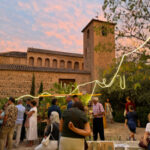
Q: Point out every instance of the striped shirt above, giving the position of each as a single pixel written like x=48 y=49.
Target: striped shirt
x=98 y=108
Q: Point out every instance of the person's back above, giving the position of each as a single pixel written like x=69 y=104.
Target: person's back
x=20 y=115
x=132 y=116
x=54 y=107
x=77 y=117
x=9 y=120
x=55 y=131
x=130 y=120
x=11 y=113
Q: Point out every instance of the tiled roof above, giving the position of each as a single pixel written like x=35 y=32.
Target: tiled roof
x=96 y=21
x=14 y=54
x=40 y=69
x=36 y=50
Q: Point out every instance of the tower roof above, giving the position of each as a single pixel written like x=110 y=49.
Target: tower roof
x=96 y=20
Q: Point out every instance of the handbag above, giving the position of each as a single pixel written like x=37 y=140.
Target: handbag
x=125 y=113
x=50 y=144
x=46 y=140
x=141 y=143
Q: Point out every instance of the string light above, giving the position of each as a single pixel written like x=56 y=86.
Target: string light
x=102 y=84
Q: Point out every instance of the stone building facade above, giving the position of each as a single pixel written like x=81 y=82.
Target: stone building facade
x=17 y=68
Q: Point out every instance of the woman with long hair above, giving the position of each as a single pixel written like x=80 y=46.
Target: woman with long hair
x=52 y=129
x=54 y=123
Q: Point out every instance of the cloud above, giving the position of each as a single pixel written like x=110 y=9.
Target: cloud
x=46 y=24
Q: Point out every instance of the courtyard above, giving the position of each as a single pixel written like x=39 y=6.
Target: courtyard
x=114 y=132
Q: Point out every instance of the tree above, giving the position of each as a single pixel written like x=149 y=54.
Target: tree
x=41 y=88
x=137 y=87
x=32 y=91
x=132 y=18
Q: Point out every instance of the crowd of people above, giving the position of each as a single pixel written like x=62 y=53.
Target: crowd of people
x=68 y=129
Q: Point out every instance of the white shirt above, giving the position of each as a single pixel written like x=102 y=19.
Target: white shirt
x=147 y=127
x=20 y=116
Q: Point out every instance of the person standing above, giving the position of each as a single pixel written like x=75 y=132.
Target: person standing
x=54 y=107
x=19 y=121
x=2 y=114
x=8 y=126
x=98 y=113
x=32 y=129
x=128 y=103
x=27 y=109
x=74 y=127
x=130 y=121
x=108 y=111
x=75 y=98
x=69 y=102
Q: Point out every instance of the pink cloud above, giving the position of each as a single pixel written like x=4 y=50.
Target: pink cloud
x=61 y=19
x=24 y=5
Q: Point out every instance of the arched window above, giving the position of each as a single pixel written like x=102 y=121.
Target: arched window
x=82 y=66
x=47 y=62
x=76 y=66
x=62 y=64
x=54 y=63
x=31 y=61
x=39 y=61
x=69 y=65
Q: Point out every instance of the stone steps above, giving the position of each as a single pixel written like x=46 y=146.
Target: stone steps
x=113 y=145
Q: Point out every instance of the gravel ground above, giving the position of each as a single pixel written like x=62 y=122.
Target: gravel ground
x=113 y=132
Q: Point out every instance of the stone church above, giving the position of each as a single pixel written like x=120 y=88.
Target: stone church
x=48 y=66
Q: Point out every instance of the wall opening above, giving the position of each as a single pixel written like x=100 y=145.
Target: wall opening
x=31 y=61
x=47 y=62
x=69 y=65
x=39 y=61
x=62 y=64
x=54 y=63
x=76 y=66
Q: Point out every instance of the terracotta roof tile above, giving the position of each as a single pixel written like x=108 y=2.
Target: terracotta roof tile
x=97 y=21
x=37 y=50
x=40 y=69
x=14 y=54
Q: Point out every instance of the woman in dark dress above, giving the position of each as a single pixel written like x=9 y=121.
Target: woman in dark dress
x=130 y=121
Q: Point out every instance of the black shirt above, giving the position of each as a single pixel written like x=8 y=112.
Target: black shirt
x=55 y=131
x=77 y=117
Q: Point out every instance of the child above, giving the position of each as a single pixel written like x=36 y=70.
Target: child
x=130 y=120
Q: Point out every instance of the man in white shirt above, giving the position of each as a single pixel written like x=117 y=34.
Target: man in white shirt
x=98 y=113
x=19 y=121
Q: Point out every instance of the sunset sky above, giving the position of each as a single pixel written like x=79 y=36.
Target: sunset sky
x=46 y=24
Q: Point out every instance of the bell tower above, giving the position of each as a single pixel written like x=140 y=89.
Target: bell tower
x=98 y=46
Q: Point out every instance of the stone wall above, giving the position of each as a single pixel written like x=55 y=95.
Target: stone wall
x=103 y=48
x=18 y=83
x=13 y=60
x=99 y=49
x=52 y=57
